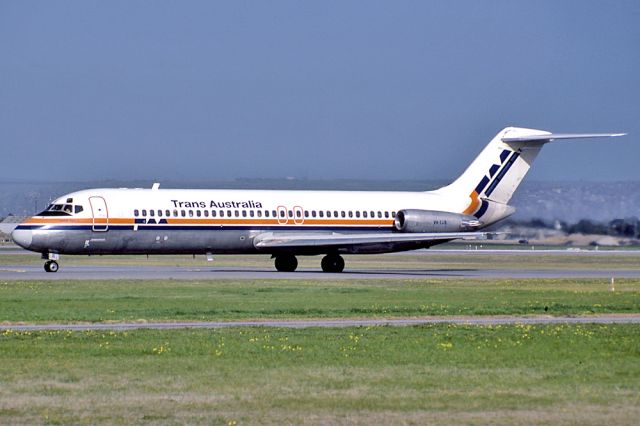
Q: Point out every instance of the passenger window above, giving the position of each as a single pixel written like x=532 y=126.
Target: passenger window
x=244 y=213
x=183 y=213
x=190 y=213
x=259 y=213
x=206 y=213
x=281 y=213
x=144 y=212
x=228 y=213
x=320 y=213
x=175 y=213
x=152 y=213
x=237 y=213
x=159 y=213
x=358 y=213
x=79 y=209
x=213 y=213
x=251 y=213
x=198 y=213
x=290 y=213
x=364 y=214
x=298 y=213
x=335 y=213
x=313 y=213
x=221 y=213
x=273 y=213
x=393 y=215
x=328 y=213
x=342 y=214
x=379 y=214
x=266 y=213
x=167 y=213
x=373 y=214
x=136 y=213
x=306 y=213
x=350 y=213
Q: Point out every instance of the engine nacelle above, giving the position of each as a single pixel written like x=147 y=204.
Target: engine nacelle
x=413 y=220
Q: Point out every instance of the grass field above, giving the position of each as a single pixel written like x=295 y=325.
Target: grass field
x=438 y=374
x=581 y=374
x=149 y=300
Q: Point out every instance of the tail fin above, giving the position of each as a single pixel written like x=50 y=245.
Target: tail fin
x=496 y=173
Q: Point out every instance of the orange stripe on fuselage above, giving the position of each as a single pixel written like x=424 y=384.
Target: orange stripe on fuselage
x=74 y=221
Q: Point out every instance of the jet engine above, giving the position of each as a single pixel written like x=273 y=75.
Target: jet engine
x=413 y=220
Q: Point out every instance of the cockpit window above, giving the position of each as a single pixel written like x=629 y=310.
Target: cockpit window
x=61 y=210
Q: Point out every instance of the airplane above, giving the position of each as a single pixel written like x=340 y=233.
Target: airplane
x=286 y=224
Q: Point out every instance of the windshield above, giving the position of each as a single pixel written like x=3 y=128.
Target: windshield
x=61 y=210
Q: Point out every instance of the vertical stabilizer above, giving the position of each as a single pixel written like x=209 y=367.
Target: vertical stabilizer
x=492 y=178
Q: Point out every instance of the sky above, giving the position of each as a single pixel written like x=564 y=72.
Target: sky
x=384 y=90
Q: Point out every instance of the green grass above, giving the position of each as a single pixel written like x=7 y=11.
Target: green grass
x=150 y=300
x=560 y=374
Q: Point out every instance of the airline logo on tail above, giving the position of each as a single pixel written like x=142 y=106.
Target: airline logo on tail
x=497 y=172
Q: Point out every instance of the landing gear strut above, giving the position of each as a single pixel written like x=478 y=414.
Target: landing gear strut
x=51 y=266
x=286 y=263
x=332 y=263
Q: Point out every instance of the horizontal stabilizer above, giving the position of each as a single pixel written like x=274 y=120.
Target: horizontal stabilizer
x=556 y=136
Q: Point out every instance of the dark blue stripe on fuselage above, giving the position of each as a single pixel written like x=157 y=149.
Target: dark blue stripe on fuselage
x=162 y=228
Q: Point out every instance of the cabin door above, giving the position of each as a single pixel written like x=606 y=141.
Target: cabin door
x=100 y=214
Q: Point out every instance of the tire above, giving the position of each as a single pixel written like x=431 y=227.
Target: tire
x=286 y=263
x=51 y=266
x=332 y=263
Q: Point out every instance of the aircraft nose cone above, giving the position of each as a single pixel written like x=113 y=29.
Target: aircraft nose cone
x=22 y=237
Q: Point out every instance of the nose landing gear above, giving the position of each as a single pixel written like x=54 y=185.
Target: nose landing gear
x=51 y=266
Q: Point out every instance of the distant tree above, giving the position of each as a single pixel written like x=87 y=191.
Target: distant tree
x=539 y=223
x=586 y=226
x=624 y=227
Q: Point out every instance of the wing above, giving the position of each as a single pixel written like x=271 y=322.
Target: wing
x=365 y=242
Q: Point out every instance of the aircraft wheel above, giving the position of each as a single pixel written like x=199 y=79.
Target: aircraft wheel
x=332 y=263
x=51 y=266
x=286 y=263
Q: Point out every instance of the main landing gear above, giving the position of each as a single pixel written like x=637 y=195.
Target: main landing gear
x=286 y=263
x=51 y=266
x=289 y=263
x=332 y=263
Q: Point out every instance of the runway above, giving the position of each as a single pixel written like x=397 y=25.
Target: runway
x=484 y=264
x=332 y=323
x=140 y=272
